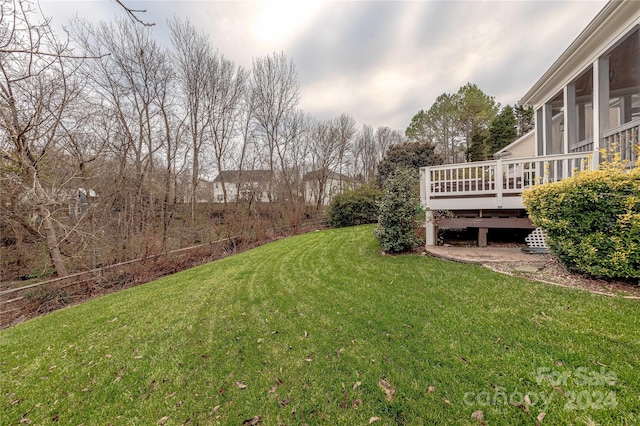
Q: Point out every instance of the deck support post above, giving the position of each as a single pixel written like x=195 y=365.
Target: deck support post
x=482 y=237
x=430 y=228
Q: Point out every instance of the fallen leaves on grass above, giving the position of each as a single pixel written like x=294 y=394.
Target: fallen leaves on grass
x=241 y=385
x=275 y=387
x=540 y=418
x=431 y=389
x=252 y=421
x=163 y=420
x=356 y=385
x=284 y=402
x=477 y=415
x=373 y=419
x=521 y=406
x=389 y=391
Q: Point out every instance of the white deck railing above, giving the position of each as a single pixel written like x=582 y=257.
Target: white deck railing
x=499 y=183
x=494 y=184
x=623 y=139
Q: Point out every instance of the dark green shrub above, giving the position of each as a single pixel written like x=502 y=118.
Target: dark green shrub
x=399 y=206
x=355 y=207
x=409 y=155
x=592 y=220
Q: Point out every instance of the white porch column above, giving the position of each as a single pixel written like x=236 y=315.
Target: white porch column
x=539 y=127
x=581 y=122
x=547 y=129
x=570 y=115
x=600 y=105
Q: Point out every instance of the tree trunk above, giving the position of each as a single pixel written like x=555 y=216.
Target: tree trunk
x=47 y=225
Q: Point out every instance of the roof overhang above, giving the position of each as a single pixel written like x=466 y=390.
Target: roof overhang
x=603 y=32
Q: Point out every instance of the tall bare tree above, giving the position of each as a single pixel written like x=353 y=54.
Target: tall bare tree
x=37 y=87
x=126 y=83
x=193 y=57
x=325 y=157
x=275 y=95
x=225 y=92
x=345 y=128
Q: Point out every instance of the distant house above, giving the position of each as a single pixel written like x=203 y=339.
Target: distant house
x=80 y=201
x=248 y=185
x=321 y=185
x=588 y=100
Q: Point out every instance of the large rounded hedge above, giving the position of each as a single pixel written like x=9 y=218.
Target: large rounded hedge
x=592 y=220
x=356 y=207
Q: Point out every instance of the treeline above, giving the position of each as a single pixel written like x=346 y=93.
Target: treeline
x=109 y=138
x=469 y=125
x=109 y=141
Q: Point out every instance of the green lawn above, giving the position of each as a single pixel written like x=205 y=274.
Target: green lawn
x=305 y=330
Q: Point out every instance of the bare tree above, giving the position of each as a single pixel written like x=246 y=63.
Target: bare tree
x=225 y=91
x=325 y=157
x=275 y=95
x=247 y=156
x=37 y=86
x=192 y=55
x=366 y=155
x=126 y=84
x=345 y=127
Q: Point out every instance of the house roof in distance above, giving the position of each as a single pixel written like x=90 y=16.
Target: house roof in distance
x=325 y=174
x=236 y=176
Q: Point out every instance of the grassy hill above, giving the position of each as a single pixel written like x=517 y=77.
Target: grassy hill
x=322 y=329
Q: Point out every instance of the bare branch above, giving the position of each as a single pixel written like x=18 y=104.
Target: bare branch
x=133 y=16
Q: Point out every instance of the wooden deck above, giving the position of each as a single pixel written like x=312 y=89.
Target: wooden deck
x=496 y=186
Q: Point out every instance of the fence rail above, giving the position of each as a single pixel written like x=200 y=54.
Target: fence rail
x=22 y=302
x=18 y=303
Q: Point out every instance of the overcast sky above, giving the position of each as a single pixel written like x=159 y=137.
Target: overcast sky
x=381 y=62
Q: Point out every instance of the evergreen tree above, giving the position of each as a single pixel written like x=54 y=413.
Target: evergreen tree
x=397 y=221
x=411 y=155
x=524 y=117
x=502 y=132
x=452 y=121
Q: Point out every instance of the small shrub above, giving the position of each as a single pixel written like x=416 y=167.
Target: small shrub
x=356 y=207
x=398 y=212
x=592 y=220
